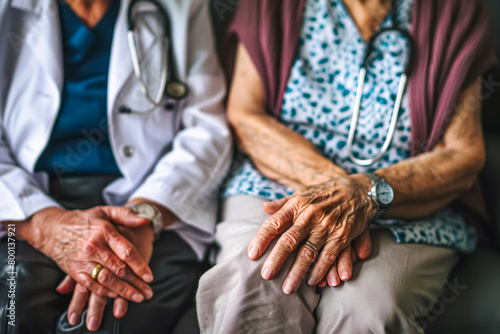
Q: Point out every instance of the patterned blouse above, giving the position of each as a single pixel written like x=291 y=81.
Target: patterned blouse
x=318 y=105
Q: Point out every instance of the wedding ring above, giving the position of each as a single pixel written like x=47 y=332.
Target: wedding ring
x=313 y=246
x=95 y=271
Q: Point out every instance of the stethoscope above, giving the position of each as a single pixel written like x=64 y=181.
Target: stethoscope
x=361 y=83
x=170 y=86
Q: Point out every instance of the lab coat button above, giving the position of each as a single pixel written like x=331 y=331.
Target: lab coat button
x=128 y=151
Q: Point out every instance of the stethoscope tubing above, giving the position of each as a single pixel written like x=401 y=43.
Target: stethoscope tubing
x=168 y=77
x=359 y=95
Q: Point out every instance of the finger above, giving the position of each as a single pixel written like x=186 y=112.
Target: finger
x=67 y=285
x=122 y=288
x=287 y=243
x=363 y=245
x=120 y=307
x=94 y=286
x=127 y=252
x=333 y=276
x=326 y=258
x=273 y=207
x=272 y=227
x=97 y=304
x=322 y=284
x=111 y=261
x=124 y=216
x=305 y=258
x=354 y=257
x=77 y=304
x=344 y=264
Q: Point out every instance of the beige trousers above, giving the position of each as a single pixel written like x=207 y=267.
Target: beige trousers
x=388 y=291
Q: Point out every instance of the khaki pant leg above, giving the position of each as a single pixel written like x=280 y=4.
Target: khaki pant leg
x=233 y=298
x=396 y=285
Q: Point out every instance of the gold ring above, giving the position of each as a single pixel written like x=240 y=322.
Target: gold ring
x=313 y=246
x=95 y=271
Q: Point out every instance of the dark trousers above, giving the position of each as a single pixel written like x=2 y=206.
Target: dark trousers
x=40 y=309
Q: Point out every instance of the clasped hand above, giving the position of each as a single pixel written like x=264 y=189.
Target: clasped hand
x=331 y=216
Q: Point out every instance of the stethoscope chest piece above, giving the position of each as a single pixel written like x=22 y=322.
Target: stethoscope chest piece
x=177 y=90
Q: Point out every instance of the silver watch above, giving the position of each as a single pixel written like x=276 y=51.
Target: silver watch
x=381 y=193
x=149 y=211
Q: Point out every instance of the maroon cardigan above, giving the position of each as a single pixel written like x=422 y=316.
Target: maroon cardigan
x=453 y=46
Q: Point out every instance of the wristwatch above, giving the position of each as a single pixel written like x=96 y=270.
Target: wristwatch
x=381 y=193
x=146 y=210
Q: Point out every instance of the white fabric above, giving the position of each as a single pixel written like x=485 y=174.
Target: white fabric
x=183 y=179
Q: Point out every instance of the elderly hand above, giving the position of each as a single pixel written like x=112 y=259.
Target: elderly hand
x=341 y=270
x=142 y=238
x=79 y=240
x=329 y=215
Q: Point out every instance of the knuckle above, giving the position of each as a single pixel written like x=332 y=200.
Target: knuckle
x=288 y=242
x=120 y=269
x=273 y=226
x=127 y=254
x=105 y=277
x=327 y=256
x=80 y=288
x=307 y=254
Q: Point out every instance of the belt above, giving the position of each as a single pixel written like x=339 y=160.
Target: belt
x=80 y=192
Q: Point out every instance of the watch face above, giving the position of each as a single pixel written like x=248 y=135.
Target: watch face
x=385 y=195
x=145 y=210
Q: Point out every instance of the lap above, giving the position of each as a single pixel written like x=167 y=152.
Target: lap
x=405 y=276
x=38 y=306
x=398 y=282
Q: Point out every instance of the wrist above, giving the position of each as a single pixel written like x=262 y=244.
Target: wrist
x=35 y=228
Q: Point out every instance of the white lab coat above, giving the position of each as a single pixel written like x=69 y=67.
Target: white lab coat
x=184 y=179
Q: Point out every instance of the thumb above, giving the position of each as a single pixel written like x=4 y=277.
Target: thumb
x=67 y=285
x=273 y=207
x=124 y=216
x=363 y=245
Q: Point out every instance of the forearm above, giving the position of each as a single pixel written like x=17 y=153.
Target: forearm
x=428 y=182
x=282 y=154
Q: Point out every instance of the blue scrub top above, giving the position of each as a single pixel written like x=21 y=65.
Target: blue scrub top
x=79 y=143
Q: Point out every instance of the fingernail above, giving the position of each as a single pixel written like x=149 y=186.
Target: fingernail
x=312 y=281
x=147 y=277
x=288 y=288
x=74 y=319
x=93 y=324
x=334 y=281
x=136 y=297
x=120 y=311
x=267 y=274
x=344 y=275
x=254 y=252
x=148 y=294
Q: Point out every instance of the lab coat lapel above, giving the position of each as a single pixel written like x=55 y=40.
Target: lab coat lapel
x=120 y=68
x=41 y=32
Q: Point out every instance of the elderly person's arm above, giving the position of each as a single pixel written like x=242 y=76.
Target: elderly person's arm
x=276 y=150
x=332 y=214
x=279 y=152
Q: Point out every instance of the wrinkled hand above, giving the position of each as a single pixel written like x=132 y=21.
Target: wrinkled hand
x=78 y=240
x=341 y=270
x=330 y=215
x=142 y=238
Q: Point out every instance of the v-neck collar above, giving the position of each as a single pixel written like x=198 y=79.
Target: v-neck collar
x=78 y=39
x=357 y=30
